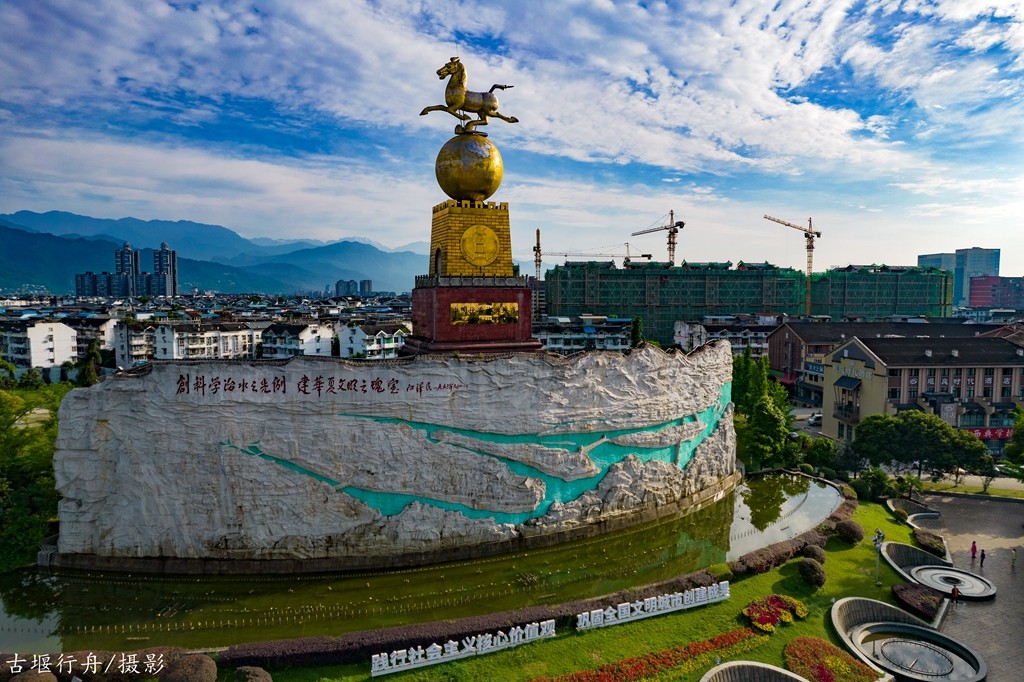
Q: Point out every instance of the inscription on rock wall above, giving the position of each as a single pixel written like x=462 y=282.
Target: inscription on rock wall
x=319 y=458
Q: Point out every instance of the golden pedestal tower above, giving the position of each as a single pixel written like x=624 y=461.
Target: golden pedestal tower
x=473 y=300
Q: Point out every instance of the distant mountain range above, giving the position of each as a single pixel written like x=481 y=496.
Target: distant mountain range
x=44 y=251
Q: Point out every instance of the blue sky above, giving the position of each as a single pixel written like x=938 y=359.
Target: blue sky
x=897 y=126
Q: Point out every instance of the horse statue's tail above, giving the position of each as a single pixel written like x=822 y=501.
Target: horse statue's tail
x=500 y=87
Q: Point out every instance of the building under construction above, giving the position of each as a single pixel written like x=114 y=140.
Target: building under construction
x=660 y=294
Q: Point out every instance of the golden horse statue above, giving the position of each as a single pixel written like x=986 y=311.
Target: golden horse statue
x=458 y=100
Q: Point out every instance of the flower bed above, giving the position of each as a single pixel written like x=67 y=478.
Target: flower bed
x=684 y=658
x=820 y=661
x=767 y=612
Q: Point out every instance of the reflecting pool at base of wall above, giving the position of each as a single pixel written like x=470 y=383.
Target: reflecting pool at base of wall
x=44 y=611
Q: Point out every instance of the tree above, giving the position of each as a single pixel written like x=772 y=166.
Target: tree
x=986 y=469
x=741 y=379
x=636 y=332
x=821 y=453
x=28 y=498
x=31 y=380
x=1014 y=450
x=967 y=452
x=89 y=366
x=757 y=386
x=916 y=440
x=768 y=433
x=848 y=461
x=905 y=485
x=7 y=380
x=876 y=438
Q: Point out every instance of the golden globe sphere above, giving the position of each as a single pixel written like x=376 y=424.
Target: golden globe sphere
x=469 y=167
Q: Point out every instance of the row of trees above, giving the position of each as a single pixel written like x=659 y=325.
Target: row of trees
x=28 y=497
x=915 y=442
x=764 y=424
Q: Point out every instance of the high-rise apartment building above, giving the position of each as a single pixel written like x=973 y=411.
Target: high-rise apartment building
x=127 y=280
x=972 y=262
x=964 y=264
x=165 y=267
x=126 y=264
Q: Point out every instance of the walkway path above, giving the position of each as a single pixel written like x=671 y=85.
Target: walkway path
x=994 y=628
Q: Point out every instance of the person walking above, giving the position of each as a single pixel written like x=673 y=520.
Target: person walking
x=955 y=594
x=983 y=558
x=1013 y=557
x=974 y=550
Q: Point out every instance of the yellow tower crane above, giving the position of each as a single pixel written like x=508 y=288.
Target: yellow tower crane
x=673 y=228
x=810 y=234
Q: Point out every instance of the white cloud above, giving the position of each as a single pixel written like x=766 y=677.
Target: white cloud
x=845 y=111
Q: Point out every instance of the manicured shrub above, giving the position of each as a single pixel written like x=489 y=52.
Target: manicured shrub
x=827 y=473
x=850 y=531
x=813 y=537
x=900 y=514
x=814 y=552
x=811 y=571
x=821 y=661
x=191 y=668
x=920 y=600
x=862 y=488
x=930 y=542
x=847 y=492
x=806 y=468
x=720 y=571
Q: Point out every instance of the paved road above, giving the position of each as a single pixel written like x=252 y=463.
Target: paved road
x=994 y=628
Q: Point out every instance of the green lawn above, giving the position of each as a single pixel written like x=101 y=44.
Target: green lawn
x=948 y=486
x=850 y=571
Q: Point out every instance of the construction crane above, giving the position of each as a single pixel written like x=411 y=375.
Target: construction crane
x=673 y=228
x=810 y=234
x=626 y=257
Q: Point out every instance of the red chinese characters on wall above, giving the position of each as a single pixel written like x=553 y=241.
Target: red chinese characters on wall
x=201 y=385
x=992 y=433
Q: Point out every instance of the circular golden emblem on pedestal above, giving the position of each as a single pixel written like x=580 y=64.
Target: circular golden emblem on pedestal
x=479 y=245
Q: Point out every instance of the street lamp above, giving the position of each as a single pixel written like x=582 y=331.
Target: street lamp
x=878 y=539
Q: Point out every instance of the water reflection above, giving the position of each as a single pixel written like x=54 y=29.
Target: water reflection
x=77 y=611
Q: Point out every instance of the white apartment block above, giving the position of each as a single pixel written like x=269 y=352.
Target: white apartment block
x=205 y=340
x=37 y=343
x=89 y=328
x=134 y=343
x=371 y=341
x=565 y=336
x=288 y=340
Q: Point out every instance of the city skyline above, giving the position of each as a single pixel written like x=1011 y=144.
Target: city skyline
x=898 y=128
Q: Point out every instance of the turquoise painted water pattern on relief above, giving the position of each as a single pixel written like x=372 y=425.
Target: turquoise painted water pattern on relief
x=603 y=454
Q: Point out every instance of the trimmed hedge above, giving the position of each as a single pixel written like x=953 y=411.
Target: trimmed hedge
x=900 y=514
x=811 y=571
x=850 y=531
x=358 y=647
x=720 y=571
x=814 y=552
x=862 y=488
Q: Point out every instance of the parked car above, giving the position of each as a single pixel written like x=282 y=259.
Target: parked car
x=814 y=419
